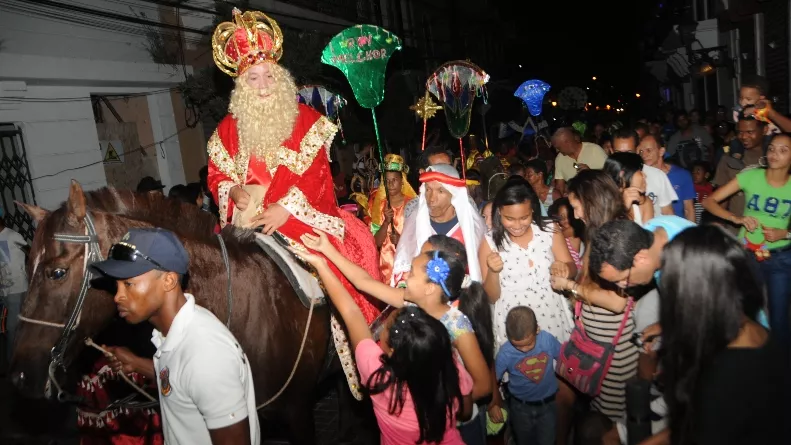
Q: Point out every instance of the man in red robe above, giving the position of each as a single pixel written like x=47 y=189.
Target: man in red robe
x=269 y=158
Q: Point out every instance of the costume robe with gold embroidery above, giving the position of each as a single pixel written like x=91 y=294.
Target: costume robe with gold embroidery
x=297 y=176
x=388 y=250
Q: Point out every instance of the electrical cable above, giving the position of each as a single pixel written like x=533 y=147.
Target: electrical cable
x=84 y=98
x=134 y=150
x=37 y=11
x=131 y=19
x=111 y=15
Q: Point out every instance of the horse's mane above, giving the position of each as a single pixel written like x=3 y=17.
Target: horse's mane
x=185 y=220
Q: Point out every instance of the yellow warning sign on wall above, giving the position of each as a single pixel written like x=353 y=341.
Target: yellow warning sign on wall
x=112 y=151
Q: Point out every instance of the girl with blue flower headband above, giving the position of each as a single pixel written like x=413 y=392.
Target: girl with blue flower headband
x=435 y=280
x=418 y=388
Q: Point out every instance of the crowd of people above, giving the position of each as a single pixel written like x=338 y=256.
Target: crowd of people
x=572 y=257
x=617 y=292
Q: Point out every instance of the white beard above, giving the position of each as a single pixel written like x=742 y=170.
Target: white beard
x=264 y=123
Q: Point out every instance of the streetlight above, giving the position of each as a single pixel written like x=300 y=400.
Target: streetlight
x=608 y=106
x=594 y=77
x=637 y=95
x=554 y=104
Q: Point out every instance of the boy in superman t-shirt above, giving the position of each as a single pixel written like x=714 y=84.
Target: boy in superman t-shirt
x=528 y=357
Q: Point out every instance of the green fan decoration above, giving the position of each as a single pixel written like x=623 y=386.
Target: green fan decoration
x=362 y=53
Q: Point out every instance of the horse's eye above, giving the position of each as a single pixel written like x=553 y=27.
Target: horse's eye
x=57 y=274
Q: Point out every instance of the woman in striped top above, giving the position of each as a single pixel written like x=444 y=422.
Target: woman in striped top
x=595 y=198
x=601 y=324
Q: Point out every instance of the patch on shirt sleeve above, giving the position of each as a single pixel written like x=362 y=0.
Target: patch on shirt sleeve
x=164 y=381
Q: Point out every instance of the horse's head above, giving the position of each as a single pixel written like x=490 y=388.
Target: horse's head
x=56 y=270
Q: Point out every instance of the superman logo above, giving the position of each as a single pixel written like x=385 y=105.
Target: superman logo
x=533 y=367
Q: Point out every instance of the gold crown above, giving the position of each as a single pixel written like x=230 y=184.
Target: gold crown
x=251 y=38
x=395 y=163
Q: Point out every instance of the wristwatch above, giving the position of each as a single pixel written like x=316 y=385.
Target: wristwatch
x=788 y=235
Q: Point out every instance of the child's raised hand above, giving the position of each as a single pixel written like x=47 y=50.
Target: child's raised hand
x=494 y=262
x=318 y=242
x=310 y=258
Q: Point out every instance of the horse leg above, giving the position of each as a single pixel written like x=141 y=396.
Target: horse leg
x=301 y=424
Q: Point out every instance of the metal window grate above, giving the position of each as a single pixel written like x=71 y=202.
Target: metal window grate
x=15 y=181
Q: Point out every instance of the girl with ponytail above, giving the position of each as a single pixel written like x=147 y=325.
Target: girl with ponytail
x=418 y=389
x=435 y=281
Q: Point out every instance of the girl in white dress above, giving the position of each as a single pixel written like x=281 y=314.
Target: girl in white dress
x=521 y=253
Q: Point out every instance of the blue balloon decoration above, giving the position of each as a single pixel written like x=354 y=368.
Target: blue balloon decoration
x=532 y=94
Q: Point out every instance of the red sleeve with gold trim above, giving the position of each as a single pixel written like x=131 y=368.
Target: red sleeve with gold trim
x=223 y=173
x=302 y=182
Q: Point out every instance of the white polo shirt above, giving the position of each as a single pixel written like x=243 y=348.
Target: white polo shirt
x=204 y=378
x=658 y=188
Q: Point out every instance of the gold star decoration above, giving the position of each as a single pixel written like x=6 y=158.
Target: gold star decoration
x=425 y=107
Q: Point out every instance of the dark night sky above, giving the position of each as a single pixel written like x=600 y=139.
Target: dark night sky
x=566 y=43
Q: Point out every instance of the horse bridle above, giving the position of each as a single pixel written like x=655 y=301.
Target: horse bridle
x=93 y=254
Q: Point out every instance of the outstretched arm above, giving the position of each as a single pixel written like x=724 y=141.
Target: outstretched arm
x=123 y=360
x=712 y=203
x=344 y=303
x=591 y=293
x=355 y=274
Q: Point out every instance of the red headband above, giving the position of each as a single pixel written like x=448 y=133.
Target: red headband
x=351 y=208
x=442 y=178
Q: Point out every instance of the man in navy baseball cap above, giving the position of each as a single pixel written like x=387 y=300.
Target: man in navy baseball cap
x=143 y=250
x=148 y=264
x=204 y=379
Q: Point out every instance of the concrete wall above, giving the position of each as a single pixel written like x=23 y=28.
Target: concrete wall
x=192 y=142
x=57 y=136
x=47 y=31
x=52 y=61
x=61 y=139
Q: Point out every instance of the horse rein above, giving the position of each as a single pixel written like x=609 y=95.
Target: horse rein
x=228 y=273
x=93 y=254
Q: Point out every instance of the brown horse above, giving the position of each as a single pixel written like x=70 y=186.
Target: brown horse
x=267 y=317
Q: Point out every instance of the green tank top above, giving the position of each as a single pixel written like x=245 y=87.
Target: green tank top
x=771 y=206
